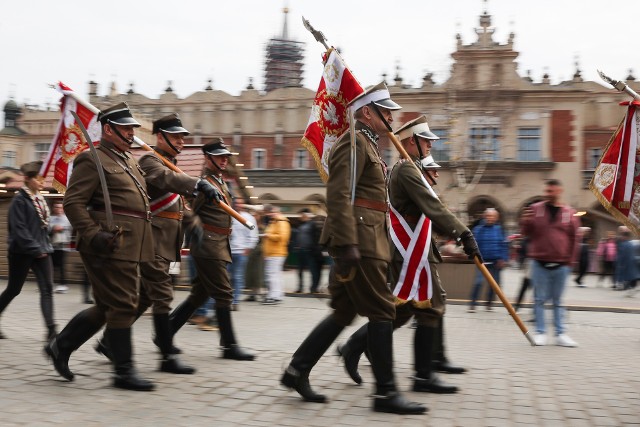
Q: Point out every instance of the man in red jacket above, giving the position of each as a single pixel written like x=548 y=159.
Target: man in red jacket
x=552 y=229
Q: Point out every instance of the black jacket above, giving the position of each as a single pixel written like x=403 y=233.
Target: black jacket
x=26 y=234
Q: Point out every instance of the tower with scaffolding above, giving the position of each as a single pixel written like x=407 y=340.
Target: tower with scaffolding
x=284 y=58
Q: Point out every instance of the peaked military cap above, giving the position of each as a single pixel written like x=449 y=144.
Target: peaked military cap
x=119 y=114
x=418 y=127
x=429 y=164
x=217 y=148
x=31 y=169
x=378 y=94
x=169 y=124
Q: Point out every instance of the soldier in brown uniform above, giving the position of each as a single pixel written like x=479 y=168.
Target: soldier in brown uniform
x=411 y=197
x=212 y=256
x=355 y=233
x=165 y=188
x=110 y=255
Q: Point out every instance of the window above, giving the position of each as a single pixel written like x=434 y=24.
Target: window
x=300 y=159
x=440 y=149
x=258 y=158
x=529 y=145
x=594 y=157
x=9 y=159
x=484 y=143
x=41 y=150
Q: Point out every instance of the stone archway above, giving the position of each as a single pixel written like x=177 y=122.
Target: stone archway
x=478 y=204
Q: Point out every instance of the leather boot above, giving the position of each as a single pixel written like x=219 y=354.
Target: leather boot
x=231 y=350
x=426 y=380
x=177 y=319
x=296 y=376
x=80 y=328
x=126 y=376
x=440 y=361
x=51 y=332
x=352 y=350
x=170 y=362
x=386 y=398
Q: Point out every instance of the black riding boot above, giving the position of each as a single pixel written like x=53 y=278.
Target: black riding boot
x=103 y=347
x=80 y=328
x=352 y=350
x=51 y=332
x=170 y=362
x=386 y=398
x=126 y=375
x=426 y=380
x=231 y=350
x=296 y=376
x=440 y=361
x=177 y=319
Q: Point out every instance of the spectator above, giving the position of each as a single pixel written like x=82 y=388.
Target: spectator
x=552 y=231
x=29 y=246
x=584 y=234
x=60 y=234
x=276 y=239
x=495 y=252
x=309 y=252
x=626 y=267
x=242 y=241
x=606 y=253
x=254 y=278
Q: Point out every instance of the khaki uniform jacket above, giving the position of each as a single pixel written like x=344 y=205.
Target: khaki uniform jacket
x=168 y=233
x=85 y=193
x=354 y=225
x=411 y=198
x=214 y=245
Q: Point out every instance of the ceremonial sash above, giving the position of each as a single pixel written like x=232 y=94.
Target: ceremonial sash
x=163 y=203
x=414 y=282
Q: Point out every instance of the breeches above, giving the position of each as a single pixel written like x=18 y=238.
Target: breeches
x=212 y=281
x=156 y=288
x=115 y=289
x=367 y=294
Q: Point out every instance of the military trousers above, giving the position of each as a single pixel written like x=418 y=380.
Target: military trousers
x=367 y=294
x=115 y=289
x=212 y=281
x=156 y=287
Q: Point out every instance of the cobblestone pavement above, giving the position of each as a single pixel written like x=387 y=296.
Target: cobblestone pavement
x=508 y=383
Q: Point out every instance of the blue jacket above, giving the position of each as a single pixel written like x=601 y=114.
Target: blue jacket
x=626 y=267
x=491 y=241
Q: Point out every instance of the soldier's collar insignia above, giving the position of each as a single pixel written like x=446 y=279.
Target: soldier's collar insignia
x=373 y=137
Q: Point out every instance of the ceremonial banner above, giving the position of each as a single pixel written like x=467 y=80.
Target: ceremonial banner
x=329 y=119
x=617 y=177
x=68 y=142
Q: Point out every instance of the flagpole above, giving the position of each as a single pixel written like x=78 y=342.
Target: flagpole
x=620 y=85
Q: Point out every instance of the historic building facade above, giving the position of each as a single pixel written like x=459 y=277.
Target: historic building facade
x=502 y=134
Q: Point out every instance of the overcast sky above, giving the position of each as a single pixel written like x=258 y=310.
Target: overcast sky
x=151 y=42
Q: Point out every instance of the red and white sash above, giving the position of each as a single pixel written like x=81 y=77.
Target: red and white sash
x=415 y=282
x=164 y=202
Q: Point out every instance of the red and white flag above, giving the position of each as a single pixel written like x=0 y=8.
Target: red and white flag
x=617 y=177
x=329 y=118
x=414 y=282
x=68 y=141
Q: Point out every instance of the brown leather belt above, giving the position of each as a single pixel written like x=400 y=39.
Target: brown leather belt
x=170 y=215
x=125 y=212
x=370 y=204
x=218 y=230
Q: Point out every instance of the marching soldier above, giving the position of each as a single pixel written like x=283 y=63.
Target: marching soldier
x=165 y=188
x=212 y=256
x=411 y=196
x=356 y=234
x=113 y=238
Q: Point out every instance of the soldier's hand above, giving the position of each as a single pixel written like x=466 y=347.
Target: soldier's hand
x=210 y=192
x=347 y=258
x=105 y=240
x=470 y=246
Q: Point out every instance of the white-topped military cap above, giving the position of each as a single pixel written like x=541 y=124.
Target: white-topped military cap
x=418 y=127
x=378 y=94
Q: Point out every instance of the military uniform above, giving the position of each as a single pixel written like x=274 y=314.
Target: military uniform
x=355 y=233
x=211 y=257
x=411 y=198
x=111 y=256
